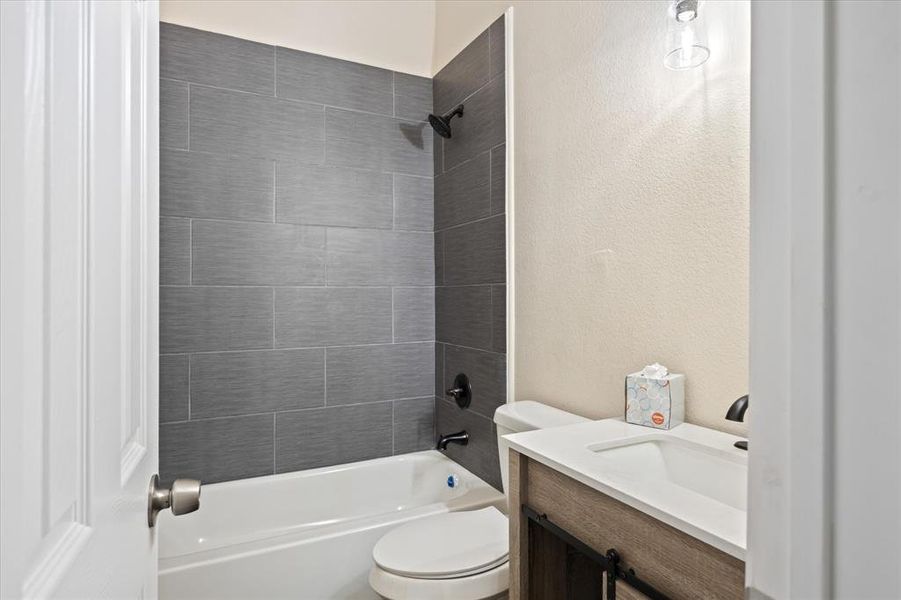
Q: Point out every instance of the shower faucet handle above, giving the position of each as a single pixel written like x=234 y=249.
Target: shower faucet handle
x=462 y=391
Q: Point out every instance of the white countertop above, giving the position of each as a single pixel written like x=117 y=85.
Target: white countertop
x=566 y=449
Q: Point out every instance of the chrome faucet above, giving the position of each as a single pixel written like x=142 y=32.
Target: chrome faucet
x=461 y=437
x=736 y=413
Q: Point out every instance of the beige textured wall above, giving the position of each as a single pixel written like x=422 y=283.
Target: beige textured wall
x=631 y=202
x=394 y=35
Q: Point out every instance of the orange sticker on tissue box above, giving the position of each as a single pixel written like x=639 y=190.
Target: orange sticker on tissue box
x=657 y=418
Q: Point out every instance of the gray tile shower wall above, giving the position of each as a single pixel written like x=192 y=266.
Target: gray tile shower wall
x=470 y=248
x=297 y=307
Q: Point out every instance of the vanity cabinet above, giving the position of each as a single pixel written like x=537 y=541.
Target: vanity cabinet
x=543 y=565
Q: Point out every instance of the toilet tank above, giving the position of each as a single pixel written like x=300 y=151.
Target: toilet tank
x=526 y=415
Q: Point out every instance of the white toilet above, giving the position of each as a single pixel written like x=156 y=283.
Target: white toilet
x=460 y=555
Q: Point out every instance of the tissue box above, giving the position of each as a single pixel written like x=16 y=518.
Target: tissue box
x=655 y=402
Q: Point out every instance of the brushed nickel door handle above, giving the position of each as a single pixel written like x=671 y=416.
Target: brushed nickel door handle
x=183 y=498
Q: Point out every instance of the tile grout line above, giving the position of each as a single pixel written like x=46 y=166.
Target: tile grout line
x=320 y=225
x=479 y=220
x=188 y=118
x=189 y=387
x=273 y=444
x=471 y=159
x=190 y=252
x=490 y=180
x=237 y=157
x=298 y=410
x=466 y=98
x=308 y=286
x=275 y=187
x=324 y=138
x=325 y=377
x=320 y=347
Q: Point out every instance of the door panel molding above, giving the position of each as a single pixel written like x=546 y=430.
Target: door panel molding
x=79 y=297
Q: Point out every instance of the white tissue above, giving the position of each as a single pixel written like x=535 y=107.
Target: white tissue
x=655 y=371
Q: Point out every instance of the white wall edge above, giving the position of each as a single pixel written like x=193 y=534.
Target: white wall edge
x=510 y=204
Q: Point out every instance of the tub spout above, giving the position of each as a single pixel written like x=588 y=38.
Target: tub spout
x=461 y=437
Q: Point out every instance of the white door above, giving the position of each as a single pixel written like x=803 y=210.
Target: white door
x=78 y=297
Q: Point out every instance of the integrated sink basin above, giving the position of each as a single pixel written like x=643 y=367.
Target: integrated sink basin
x=689 y=477
x=720 y=476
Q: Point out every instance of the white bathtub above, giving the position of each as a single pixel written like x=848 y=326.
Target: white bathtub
x=305 y=535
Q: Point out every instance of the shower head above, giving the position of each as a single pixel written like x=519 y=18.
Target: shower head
x=441 y=125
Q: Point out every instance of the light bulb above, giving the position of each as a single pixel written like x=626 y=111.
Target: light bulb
x=684 y=49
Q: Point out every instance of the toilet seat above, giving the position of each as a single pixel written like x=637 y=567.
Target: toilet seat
x=446 y=546
x=453 y=556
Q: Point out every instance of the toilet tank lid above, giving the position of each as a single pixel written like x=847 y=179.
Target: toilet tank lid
x=527 y=415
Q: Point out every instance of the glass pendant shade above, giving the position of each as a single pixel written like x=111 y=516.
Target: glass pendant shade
x=686 y=45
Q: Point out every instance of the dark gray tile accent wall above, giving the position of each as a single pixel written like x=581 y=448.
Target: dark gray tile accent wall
x=334 y=82
x=173 y=114
x=414 y=424
x=297 y=266
x=215 y=186
x=367 y=141
x=470 y=248
x=334 y=316
x=316 y=195
x=217 y=60
x=329 y=436
x=175 y=251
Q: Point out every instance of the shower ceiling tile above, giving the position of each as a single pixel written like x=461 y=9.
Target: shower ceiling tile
x=239 y=123
x=214 y=450
x=476 y=252
x=462 y=76
x=234 y=253
x=463 y=193
x=333 y=196
x=333 y=82
x=330 y=436
x=214 y=59
x=175 y=251
x=463 y=315
x=414 y=314
x=194 y=319
x=366 y=141
x=413 y=203
x=332 y=316
x=375 y=257
x=173 y=114
x=483 y=126
x=412 y=97
x=173 y=388
x=358 y=374
x=210 y=186
x=414 y=425
x=236 y=383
